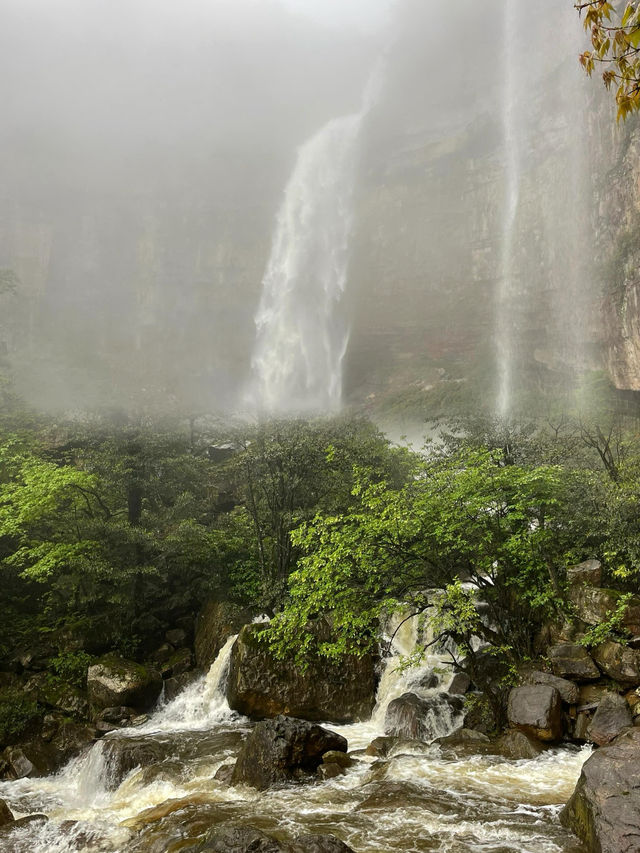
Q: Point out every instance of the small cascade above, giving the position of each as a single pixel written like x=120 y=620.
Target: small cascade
x=202 y=705
x=428 y=679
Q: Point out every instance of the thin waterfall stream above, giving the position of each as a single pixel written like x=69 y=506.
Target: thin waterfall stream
x=421 y=797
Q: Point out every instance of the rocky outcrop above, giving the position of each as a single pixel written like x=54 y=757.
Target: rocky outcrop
x=283 y=750
x=611 y=717
x=537 y=711
x=217 y=621
x=571 y=661
x=114 y=682
x=416 y=718
x=604 y=810
x=618 y=662
x=588 y=573
x=261 y=686
x=594 y=606
x=568 y=691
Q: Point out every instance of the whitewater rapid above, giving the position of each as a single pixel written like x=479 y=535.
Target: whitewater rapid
x=420 y=798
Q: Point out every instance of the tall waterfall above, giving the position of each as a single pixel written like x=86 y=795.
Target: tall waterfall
x=301 y=335
x=508 y=285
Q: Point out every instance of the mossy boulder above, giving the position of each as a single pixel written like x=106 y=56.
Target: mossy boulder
x=262 y=686
x=619 y=662
x=604 y=810
x=114 y=681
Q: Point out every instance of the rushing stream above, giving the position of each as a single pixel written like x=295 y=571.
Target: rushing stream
x=422 y=797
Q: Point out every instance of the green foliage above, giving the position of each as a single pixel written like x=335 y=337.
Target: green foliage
x=614 y=30
x=71 y=667
x=17 y=711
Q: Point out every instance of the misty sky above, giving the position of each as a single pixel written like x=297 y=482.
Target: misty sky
x=361 y=14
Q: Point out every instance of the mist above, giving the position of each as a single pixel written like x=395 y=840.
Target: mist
x=148 y=149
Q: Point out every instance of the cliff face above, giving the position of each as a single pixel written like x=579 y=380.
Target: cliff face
x=618 y=252
x=141 y=261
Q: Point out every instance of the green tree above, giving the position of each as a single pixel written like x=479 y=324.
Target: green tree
x=481 y=542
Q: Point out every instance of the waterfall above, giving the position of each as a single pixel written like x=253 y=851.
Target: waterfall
x=508 y=286
x=202 y=705
x=301 y=333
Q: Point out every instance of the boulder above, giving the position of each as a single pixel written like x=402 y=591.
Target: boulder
x=569 y=660
x=179 y=663
x=536 y=709
x=246 y=839
x=604 y=810
x=618 y=662
x=30 y=759
x=416 y=718
x=114 y=681
x=58 y=695
x=588 y=573
x=176 y=684
x=567 y=689
x=283 y=750
x=594 y=606
x=124 y=754
x=177 y=637
x=460 y=683
x=260 y=686
x=516 y=745
x=380 y=747
x=611 y=717
x=589 y=694
x=216 y=622
x=6 y=815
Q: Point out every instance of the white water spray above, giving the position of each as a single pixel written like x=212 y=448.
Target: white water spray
x=301 y=333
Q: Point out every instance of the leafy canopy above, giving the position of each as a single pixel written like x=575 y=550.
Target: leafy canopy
x=614 y=30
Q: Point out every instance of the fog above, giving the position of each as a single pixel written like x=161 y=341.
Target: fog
x=146 y=148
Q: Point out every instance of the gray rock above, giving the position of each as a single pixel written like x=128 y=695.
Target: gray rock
x=175 y=685
x=416 y=718
x=216 y=622
x=567 y=689
x=571 y=661
x=588 y=573
x=114 y=681
x=283 y=750
x=260 y=686
x=618 y=662
x=460 y=683
x=537 y=711
x=517 y=745
x=612 y=716
x=604 y=810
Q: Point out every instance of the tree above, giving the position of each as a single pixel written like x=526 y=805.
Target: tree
x=467 y=518
x=615 y=36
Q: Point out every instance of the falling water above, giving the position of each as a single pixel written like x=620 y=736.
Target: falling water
x=301 y=335
x=508 y=285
